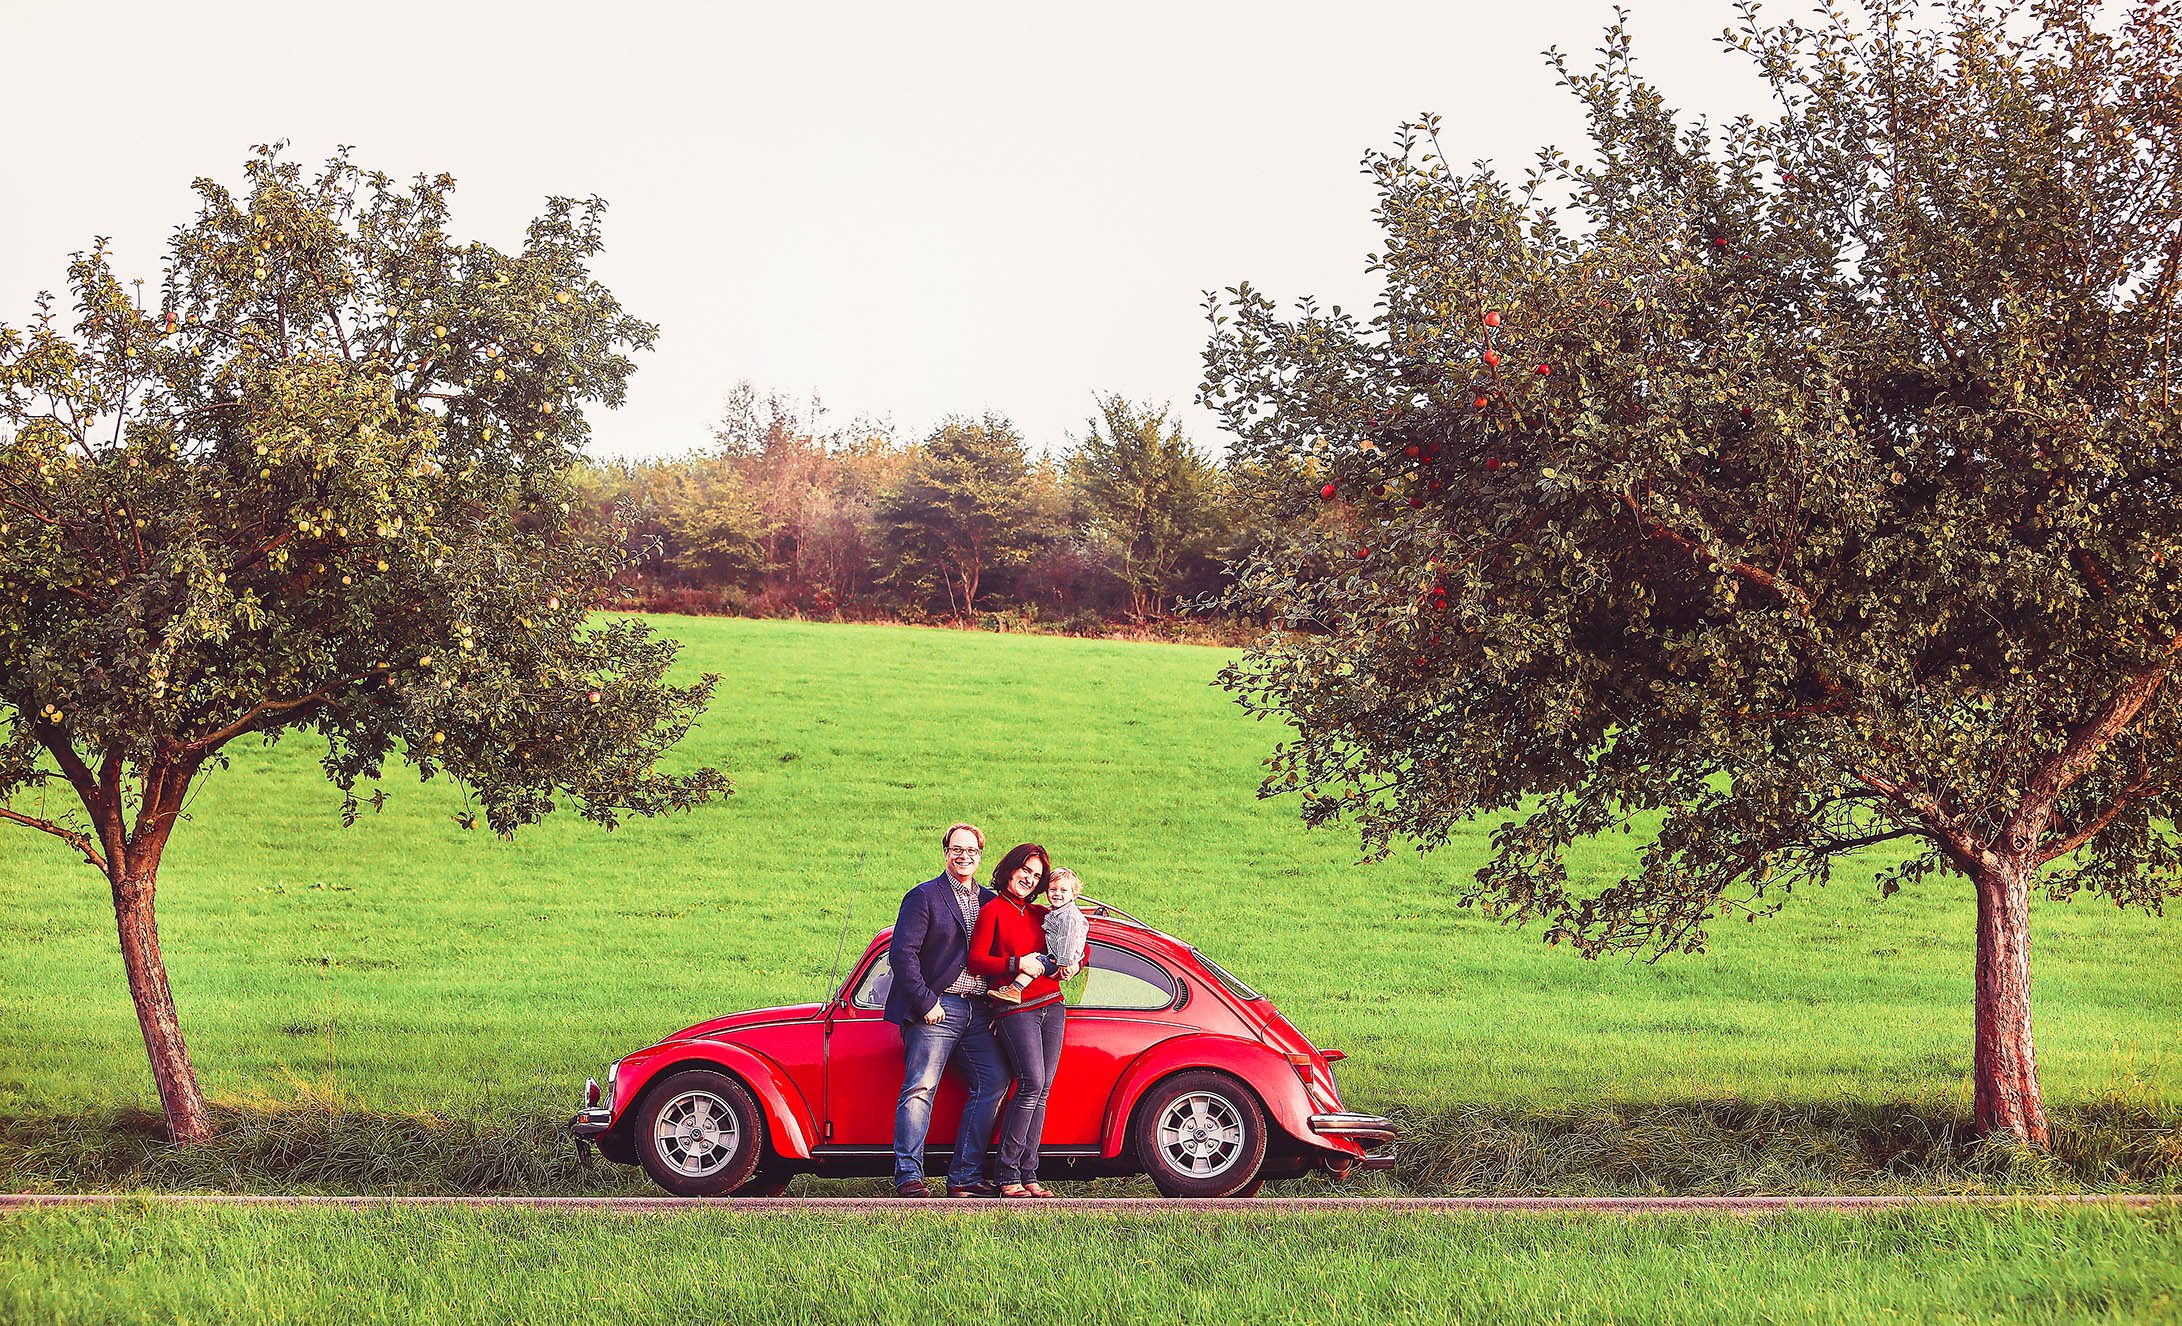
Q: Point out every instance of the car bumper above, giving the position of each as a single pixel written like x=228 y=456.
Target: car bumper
x=1362 y=1131
x=591 y=1122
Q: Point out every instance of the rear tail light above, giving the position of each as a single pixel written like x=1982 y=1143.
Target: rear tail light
x=1333 y=1056
x=590 y=1091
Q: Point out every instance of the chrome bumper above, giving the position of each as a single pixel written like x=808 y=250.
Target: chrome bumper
x=1363 y=1129
x=591 y=1122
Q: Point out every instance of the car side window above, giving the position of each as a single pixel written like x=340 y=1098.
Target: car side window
x=871 y=991
x=1116 y=978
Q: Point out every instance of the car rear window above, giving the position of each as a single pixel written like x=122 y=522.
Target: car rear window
x=1225 y=977
x=1118 y=978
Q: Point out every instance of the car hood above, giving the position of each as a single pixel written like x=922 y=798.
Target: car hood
x=756 y=1017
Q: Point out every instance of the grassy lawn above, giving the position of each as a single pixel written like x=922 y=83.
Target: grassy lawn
x=407 y=964
x=166 y=1264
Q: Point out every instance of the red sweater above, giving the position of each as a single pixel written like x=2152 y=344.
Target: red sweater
x=1007 y=929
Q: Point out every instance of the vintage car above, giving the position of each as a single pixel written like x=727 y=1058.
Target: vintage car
x=1171 y=1067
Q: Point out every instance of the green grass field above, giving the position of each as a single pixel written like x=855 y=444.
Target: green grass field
x=163 y=1264
x=406 y=964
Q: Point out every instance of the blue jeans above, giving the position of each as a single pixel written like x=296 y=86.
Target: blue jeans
x=1032 y=1039
x=964 y=1034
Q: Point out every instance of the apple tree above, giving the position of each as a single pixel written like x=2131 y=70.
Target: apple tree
x=1807 y=481
x=317 y=479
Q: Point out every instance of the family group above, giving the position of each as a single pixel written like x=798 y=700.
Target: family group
x=977 y=983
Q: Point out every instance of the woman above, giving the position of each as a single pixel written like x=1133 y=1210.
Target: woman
x=1010 y=932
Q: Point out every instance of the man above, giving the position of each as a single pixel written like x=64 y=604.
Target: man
x=940 y=1006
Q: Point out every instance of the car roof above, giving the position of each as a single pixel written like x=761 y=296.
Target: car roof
x=1109 y=924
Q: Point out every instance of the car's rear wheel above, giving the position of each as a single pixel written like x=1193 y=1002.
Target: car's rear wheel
x=698 y=1134
x=1200 y=1134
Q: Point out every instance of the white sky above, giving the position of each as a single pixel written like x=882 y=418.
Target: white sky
x=913 y=210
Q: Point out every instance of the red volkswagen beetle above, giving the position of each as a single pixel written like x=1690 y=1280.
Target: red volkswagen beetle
x=1172 y=1067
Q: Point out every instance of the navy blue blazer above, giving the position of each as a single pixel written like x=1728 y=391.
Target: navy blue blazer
x=930 y=948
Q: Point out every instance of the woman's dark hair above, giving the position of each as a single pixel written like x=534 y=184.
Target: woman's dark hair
x=1013 y=861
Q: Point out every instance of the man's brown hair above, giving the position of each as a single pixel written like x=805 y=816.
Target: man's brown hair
x=946 y=840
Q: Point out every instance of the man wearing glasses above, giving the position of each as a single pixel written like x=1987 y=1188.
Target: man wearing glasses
x=939 y=1005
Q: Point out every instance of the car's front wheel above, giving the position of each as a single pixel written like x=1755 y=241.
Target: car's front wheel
x=699 y=1134
x=1200 y=1134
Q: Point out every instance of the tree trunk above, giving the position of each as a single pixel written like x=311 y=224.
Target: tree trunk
x=2005 y=1066
x=172 y=1072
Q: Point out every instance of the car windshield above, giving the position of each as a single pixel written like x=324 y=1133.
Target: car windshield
x=1225 y=977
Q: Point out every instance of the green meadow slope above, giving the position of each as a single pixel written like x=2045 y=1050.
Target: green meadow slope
x=407 y=964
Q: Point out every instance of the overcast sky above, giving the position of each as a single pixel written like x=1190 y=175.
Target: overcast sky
x=911 y=210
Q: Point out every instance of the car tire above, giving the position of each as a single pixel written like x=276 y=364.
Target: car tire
x=1200 y=1134
x=698 y=1134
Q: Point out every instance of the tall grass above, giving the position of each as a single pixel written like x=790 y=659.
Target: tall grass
x=1705 y=1148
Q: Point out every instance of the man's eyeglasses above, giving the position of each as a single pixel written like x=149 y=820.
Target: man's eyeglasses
x=965 y=851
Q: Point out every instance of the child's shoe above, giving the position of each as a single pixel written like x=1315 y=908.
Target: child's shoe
x=1007 y=994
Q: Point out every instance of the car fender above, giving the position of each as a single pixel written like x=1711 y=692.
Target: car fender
x=788 y=1120
x=1264 y=1071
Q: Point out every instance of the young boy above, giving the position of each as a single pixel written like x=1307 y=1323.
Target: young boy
x=1066 y=929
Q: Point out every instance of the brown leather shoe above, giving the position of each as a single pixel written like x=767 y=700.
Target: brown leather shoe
x=913 y=1188
x=978 y=1189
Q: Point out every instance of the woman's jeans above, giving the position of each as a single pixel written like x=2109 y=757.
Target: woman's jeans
x=965 y=1034
x=1032 y=1039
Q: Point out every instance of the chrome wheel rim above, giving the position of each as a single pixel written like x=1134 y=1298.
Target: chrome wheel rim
x=696 y=1134
x=1201 y=1134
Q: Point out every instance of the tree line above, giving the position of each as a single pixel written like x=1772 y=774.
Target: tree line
x=788 y=513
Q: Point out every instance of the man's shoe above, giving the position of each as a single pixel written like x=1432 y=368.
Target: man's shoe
x=913 y=1188
x=981 y=1188
x=1007 y=994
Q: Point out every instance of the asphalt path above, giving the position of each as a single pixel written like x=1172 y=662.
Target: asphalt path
x=1131 y=1205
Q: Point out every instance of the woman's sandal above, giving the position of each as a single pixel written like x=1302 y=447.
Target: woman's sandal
x=1038 y=1190
x=1016 y=1190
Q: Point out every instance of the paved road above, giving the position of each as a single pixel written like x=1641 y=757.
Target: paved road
x=868 y=1205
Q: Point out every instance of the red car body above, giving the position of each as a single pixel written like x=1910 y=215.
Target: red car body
x=1149 y=1013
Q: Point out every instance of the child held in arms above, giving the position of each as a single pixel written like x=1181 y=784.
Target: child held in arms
x=1066 y=929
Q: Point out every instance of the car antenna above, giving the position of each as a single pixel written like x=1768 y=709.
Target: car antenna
x=833 y=973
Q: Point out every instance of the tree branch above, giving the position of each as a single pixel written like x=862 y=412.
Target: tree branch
x=80 y=841
x=206 y=744
x=1794 y=594
x=2091 y=737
